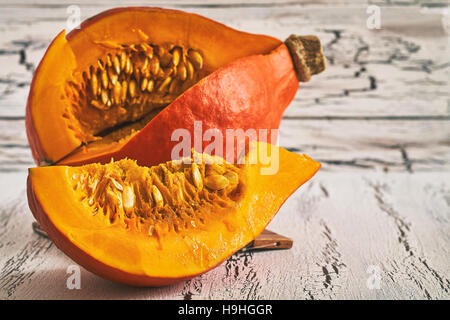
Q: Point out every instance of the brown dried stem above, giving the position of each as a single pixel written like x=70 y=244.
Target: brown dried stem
x=307 y=56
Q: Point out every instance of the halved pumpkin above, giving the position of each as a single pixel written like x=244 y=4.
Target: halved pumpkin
x=153 y=226
x=130 y=76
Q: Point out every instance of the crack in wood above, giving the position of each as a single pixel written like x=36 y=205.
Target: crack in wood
x=14 y=145
x=331 y=266
x=14 y=273
x=192 y=288
x=21 y=52
x=324 y=190
x=413 y=260
x=240 y=271
x=406 y=160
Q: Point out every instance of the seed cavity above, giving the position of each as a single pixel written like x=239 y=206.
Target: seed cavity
x=129 y=82
x=197 y=177
x=169 y=194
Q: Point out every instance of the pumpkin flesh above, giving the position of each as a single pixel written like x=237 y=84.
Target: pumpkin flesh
x=109 y=219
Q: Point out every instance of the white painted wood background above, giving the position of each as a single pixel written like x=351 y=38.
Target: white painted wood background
x=378 y=119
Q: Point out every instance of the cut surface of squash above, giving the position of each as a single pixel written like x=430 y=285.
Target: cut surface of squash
x=152 y=226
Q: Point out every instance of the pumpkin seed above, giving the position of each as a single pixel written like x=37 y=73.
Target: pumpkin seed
x=101 y=65
x=145 y=65
x=232 y=177
x=190 y=70
x=128 y=66
x=173 y=86
x=94 y=84
x=154 y=66
x=197 y=177
x=105 y=97
x=112 y=76
x=123 y=60
x=96 y=105
x=196 y=59
x=108 y=60
x=157 y=196
x=216 y=182
x=128 y=198
x=114 y=199
x=117 y=90
x=164 y=84
x=116 y=63
x=214 y=168
x=104 y=79
x=146 y=48
x=182 y=71
x=116 y=184
x=144 y=84
x=150 y=86
x=124 y=90
x=176 y=55
x=132 y=88
x=93 y=186
x=179 y=194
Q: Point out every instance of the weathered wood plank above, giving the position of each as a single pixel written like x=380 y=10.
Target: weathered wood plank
x=407 y=145
x=341 y=224
x=231 y=3
x=380 y=145
x=400 y=70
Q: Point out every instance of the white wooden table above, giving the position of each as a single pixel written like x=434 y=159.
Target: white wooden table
x=378 y=119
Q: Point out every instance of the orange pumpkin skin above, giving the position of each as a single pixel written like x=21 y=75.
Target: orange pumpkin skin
x=263 y=195
x=251 y=84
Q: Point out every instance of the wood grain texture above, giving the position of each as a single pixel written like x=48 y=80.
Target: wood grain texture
x=395 y=77
x=378 y=120
x=359 y=59
x=341 y=224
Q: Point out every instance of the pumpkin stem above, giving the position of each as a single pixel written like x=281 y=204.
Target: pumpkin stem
x=307 y=56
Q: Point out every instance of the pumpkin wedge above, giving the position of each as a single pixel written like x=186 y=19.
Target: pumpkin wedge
x=153 y=226
x=128 y=77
